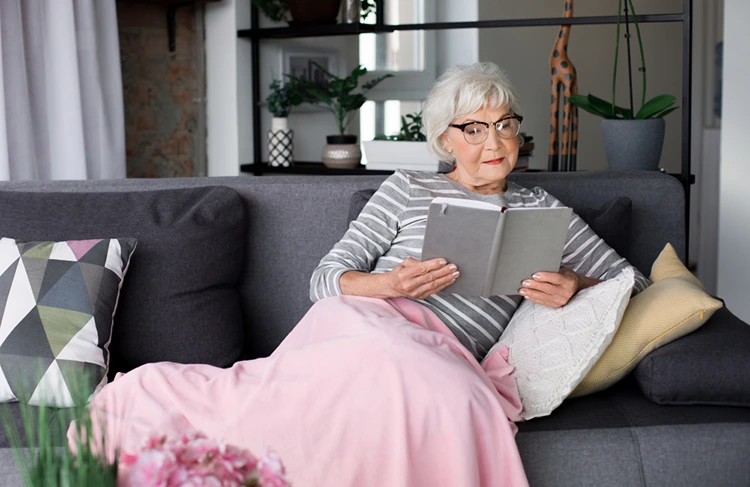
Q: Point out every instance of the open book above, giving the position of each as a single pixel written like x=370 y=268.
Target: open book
x=495 y=248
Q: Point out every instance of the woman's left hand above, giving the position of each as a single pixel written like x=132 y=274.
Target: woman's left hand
x=552 y=289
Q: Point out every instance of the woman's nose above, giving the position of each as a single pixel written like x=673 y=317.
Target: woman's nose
x=493 y=138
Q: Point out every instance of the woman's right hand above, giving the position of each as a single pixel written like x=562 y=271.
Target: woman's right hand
x=415 y=279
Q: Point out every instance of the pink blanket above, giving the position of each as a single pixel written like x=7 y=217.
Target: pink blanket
x=363 y=392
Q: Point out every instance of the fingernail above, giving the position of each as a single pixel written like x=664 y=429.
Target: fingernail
x=452 y=267
x=443 y=261
x=526 y=283
x=456 y=274
x=536 y=276
x=522 y=291
x=453 y=280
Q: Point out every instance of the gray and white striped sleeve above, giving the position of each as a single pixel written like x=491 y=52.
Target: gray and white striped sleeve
x=588 y=254
x=368 y=237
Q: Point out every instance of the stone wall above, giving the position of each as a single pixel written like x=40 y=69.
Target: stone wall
x=161 y=91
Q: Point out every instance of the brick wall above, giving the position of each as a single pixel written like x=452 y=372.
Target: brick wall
x=161 y=91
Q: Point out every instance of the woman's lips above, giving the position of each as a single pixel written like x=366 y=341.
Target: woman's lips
x=494 y=162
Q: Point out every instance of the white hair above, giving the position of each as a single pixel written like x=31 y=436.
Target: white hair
x=460 y=91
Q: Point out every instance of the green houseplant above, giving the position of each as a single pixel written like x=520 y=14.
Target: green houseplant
x=42 y=457
x=411 y=129
x=633 y=139
x=281 y=138
x=405 y=150
x=338 y=96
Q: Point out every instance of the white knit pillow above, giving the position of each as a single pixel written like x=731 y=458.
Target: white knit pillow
x=552 y=350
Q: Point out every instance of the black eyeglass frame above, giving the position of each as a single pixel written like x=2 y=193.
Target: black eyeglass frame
x=487 y=124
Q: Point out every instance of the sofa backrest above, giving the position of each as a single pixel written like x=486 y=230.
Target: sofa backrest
x=293 y=221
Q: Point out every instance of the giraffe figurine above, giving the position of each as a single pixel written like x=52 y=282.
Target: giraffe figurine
x=562 y=151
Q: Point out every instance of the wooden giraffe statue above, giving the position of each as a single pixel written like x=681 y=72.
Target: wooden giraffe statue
x=562 y=150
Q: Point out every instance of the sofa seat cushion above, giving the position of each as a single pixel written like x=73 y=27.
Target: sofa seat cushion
x=619 y=437
x=180 y=301
x=625 y=406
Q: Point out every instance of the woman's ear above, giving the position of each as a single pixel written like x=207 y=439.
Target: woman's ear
x=446 y=142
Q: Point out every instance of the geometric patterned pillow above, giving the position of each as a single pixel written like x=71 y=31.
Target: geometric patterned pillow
x=57 y=303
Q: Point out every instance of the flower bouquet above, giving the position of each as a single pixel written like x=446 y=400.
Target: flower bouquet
x=195 y=460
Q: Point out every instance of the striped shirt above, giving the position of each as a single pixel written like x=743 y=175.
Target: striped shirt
x=391 y=228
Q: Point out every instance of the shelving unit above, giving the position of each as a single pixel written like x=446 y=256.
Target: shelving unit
x=257 y=34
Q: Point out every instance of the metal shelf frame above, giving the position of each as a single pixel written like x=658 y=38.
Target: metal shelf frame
x=256 y=34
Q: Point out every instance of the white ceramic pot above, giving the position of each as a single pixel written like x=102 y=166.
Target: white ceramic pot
x=280 y=143
x=341 y=152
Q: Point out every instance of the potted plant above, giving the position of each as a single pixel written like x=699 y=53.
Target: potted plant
x=305 y=12
x=338 y=96
x=632 y=139
x=281 y=138
x=405 y=150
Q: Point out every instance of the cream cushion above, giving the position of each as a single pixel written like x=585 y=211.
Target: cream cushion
x=674 y=305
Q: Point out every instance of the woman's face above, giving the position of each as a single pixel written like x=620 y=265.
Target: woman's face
x=487 y=163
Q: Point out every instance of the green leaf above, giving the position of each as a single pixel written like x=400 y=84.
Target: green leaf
x=374 y=82
x=624 y=113
x=665 y=112
x=655 y=105
x=603 y=106
x=585 y=104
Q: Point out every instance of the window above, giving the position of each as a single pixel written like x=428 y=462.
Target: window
x=409 y=56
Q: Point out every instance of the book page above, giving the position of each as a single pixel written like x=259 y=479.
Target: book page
x=532 y=241
x=463 y=236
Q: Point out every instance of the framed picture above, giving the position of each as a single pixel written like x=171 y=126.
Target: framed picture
x=301 y=63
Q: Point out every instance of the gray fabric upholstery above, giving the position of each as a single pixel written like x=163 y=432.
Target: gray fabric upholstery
x=709 y=366
x=616 y=437
x=293 y=221
x=180 y=287
x=695 y=455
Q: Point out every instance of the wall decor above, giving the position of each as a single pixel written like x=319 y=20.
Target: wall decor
x=301 y=64
x=563 y=146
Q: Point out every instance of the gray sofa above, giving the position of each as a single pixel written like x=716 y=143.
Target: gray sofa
x=615 y=437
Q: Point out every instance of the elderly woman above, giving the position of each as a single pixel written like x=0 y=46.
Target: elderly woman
x=472 y=119
x=387 y=379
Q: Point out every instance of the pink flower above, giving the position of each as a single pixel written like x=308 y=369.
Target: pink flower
x=152 y=469
x=272 y=471
x=193 y=460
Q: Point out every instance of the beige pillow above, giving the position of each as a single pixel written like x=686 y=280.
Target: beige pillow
x=673 y=306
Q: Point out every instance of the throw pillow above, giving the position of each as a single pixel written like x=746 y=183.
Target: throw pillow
x=552 y=350
x=709 y=366
x=611 y=222
x=674 y=305
x=57 y=303
x=182 y=290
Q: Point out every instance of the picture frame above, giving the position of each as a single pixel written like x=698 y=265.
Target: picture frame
x=299 y=62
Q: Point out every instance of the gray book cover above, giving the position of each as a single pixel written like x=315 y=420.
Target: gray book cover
x=495 y=248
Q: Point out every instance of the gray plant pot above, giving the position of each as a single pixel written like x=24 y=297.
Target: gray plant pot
x=633 y=144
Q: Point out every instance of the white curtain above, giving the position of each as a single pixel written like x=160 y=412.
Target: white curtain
x=61 y=99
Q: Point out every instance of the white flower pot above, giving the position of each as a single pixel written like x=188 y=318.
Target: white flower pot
x=280 y=143
x=398 y=154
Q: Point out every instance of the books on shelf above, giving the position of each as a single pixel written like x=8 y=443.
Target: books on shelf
x=495 y=248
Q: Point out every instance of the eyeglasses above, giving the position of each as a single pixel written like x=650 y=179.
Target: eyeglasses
x=476 y=132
